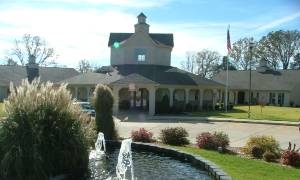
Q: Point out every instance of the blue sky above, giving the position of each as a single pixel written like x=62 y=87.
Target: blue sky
x=79 y=29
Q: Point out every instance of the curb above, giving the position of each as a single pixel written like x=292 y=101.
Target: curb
x=210 y=119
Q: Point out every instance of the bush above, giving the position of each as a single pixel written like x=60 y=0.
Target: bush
x=269 y=156
x=142 y=135
x=103 y=102
x=43 y=134
x=265 y=143
x=291 y=156
x=174 y=136
x=207 y=140
x=257 y=151
x=221 y=139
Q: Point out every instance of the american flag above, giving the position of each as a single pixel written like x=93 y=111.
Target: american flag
x=228 y=40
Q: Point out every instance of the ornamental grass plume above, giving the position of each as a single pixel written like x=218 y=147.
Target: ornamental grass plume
x=42 y=135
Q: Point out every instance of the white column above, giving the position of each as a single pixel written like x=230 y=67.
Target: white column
x=215 y=92
x=286 y=99
x=151 y=100
x=201 y=98
x=115 y=92
x=76 y=92
x=171 y=96
x=276 y=98
x=87 y=93
x=187 y=92
x=236 y=97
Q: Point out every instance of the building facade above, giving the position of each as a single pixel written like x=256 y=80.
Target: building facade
x=269 y=87
x=141 y=75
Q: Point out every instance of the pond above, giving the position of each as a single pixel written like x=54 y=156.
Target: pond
x=147 y=166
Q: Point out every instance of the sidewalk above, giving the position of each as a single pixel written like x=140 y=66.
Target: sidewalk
x=215 y=119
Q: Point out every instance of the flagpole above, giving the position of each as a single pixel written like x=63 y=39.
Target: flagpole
x=227 y=62
x=226 y=91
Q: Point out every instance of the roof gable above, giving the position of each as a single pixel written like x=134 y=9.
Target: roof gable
x=165 y=39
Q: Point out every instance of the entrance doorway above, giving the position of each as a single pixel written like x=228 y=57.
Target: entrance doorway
x=241 y=97
x=134 y=100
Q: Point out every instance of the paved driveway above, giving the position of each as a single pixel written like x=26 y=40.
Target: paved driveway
x=238 y=132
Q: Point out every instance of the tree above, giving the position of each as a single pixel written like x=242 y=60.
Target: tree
x=84 y=66
x=241 y=54
x=296 y=63
x=223 y=65
x=32 y=49
x=206 y=62
x=190 y=62
x=279 y=47
x=103 y=101
x=10 y=61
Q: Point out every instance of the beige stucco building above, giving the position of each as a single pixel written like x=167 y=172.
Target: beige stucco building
x=280 y=88
x=141 y=75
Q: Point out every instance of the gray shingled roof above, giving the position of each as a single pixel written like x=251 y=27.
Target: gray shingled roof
x=167 y=75
x=16 y=73
x=92 y=78
x=166 y=39
x=142 y=74
x=283 y=80
x=134 y=78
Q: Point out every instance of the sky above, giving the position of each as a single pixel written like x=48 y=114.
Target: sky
x=79 y=29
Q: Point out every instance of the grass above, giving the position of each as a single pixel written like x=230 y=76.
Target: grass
x=2 y=113
x=242 y=169
x=257 y=113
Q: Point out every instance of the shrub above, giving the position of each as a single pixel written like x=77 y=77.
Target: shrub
x=43 y=134
x=269 y=156
x=291 y=156
x=103 y=102
x=265 y=143
x=257 y=151
x=207 y=140
x=142 y=135
x=174 y=136
x=220 y=139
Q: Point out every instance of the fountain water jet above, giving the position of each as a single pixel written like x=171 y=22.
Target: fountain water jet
x=98 y=152
x=125 y=160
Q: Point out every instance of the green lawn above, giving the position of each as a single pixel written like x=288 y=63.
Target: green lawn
x=2 y=113
x=242 y=169
x=268 y=113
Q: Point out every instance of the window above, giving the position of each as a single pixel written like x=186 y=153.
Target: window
x=140 y=54
x=280 y=100
x=272 y=98
x=141 y=57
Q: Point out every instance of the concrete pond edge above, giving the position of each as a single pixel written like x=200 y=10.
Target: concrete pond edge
x=197 y=161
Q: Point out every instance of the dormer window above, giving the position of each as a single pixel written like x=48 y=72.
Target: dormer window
x=140 y=55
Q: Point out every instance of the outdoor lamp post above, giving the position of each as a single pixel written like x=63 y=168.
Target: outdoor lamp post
x=251 y=45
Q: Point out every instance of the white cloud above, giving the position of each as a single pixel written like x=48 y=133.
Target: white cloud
x=123 y=3
x=278 y=22
x=83 y=34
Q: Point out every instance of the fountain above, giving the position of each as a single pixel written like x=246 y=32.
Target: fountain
x=125 y=160
x=152 y=164
x=98 y=152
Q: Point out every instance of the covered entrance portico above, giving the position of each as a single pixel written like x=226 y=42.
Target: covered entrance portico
x=145 y=97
